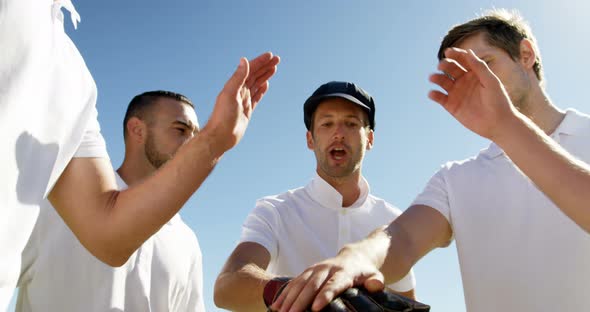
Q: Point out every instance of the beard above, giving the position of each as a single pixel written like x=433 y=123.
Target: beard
x=343 y=170
x=338 y=172
x=519 y=92
x=155 y=157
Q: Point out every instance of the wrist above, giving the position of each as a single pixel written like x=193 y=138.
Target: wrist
x=201 y=148
x=212 y=143
x=508 y=127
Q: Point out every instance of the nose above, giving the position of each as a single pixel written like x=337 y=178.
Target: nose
x=338 y=132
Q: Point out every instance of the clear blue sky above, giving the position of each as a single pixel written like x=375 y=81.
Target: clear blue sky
x=387 y=47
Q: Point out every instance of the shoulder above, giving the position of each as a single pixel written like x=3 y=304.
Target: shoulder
x=283 y=200
x=382 y=204
x=575 y=112
x=575 y=123
x=472 y=164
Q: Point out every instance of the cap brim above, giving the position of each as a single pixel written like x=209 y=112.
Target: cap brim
x=344 y=96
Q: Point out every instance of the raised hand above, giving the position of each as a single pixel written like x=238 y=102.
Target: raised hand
x=236 y=101
x=474 y=95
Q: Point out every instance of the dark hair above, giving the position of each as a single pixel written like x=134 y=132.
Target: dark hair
x=142 y=103
x=502 y=28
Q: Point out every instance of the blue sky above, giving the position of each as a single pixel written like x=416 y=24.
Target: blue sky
x=387 y=47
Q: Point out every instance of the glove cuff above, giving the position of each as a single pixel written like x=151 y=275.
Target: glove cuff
x=273 y=289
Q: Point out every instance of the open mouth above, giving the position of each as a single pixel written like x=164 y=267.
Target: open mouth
x=338 y=153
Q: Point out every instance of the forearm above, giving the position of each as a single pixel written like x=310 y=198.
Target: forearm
x=113 y=224
x=144 y=208
x=562 y=177
x=241 y=289
x=395 y=249
x=379 y=248
x=399 y=259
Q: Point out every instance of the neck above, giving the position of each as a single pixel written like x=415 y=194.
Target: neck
x=542 y=112
x=347 y=186
x=134 y=170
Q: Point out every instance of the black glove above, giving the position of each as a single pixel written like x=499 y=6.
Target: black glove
x=353 y=299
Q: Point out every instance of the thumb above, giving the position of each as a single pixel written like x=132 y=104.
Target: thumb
x=374 y=282
x=481 y=69
x=236 y=81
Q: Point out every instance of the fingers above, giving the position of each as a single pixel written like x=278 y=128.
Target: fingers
x=442 y=80
x=260 y=60
x=438 y=97
x=299 y=293
x=471 y=62
x=263 y=75
x=259 y=93
x=337 y=284
x=308 y=293
x=451 y=68
x=236 y=81
x=262 y=72
x=445 y=83
x=481 y=69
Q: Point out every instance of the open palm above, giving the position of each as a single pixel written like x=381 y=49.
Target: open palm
x=237 y=100
x=474 y=95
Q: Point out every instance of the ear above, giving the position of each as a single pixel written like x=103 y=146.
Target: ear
x=527 y=54
x=310 y=142
x=370 y=138
x=136 y=130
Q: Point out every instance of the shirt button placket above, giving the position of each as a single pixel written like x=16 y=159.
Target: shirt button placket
x=343 y=228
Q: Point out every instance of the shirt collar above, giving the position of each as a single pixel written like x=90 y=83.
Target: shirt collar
x=571 y=124
x=327 y=196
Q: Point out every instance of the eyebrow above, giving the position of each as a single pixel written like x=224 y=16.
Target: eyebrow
x=487 y=52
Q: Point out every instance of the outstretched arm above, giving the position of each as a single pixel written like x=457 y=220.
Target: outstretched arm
x=478 y=100
x=112 y=224
x=240 y=284
x=394 y=250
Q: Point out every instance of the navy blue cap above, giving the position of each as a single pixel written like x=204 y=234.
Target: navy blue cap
x=345 y=90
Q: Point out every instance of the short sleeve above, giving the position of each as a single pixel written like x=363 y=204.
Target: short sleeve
x=436 y=195
x=407 y=283
x=93 y=144
x=259 y=227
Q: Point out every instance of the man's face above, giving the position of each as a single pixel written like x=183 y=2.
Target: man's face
x=340 y=137
x=172 y=123
x=510 y=72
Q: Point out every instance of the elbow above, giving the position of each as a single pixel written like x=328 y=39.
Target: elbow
x=115 y=261
x=228 y=296
x=220 y=296
x=110 y=253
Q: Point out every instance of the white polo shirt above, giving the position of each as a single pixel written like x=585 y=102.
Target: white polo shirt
x=46 y=100
x=517 y=250
x=59 y=274
x=307 y=225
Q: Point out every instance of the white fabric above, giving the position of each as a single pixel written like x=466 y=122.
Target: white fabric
x=93 y=144
x=517 y=250
x=307 y=225
x=59 y=274
x=46 y=99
